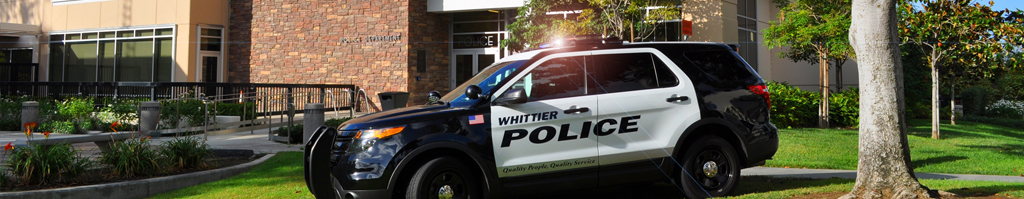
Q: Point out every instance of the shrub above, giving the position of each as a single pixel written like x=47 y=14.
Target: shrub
x=1006 y=109
x=335 y=122
x=294 y=133
x=39 y=164
x=792 y=107
x=65 y=127
x=844 y=108
x=131 y=157
x=186 y=152
x=192 y=111
x=975 y=99
x=123 y=110
x=247 y=109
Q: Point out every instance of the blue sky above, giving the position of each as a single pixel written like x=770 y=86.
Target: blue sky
x=1004 y=4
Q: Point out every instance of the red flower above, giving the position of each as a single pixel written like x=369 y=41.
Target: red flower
x=46 y=134
x=114 y=125
x=28 y=128
x=145 y=138
x=8 y=146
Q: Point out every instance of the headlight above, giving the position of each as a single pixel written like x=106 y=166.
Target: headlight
x=379 y=133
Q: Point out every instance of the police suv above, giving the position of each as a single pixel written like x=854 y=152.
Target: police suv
x=596 y=113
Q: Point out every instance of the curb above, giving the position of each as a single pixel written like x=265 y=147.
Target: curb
x=138 y=188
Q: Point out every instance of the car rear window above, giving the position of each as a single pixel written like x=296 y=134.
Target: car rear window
x=720 y=65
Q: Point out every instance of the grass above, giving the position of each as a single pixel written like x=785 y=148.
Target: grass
x=768 y=187
x=278 y=177
x=281 y=177
x=967 y=148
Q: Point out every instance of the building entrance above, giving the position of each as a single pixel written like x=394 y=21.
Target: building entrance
x=468 y=62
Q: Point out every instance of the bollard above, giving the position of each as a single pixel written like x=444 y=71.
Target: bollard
x=149 y=118
x=29 y=113
x=312 y=118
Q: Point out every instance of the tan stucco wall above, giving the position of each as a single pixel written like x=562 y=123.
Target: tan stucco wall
x=706 y=16
x=186 y=15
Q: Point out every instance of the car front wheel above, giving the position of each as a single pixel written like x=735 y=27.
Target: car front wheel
x=444 y=178
x=711 y=168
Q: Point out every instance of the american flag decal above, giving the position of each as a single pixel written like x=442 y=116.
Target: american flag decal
x=476 y=119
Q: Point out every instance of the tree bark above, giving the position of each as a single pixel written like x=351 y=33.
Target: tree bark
x=884 y=167
x=823 y=81
x=952 y=104
x=935 y=100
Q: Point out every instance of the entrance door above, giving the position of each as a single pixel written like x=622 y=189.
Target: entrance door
x=208 y=69
x=467 y=62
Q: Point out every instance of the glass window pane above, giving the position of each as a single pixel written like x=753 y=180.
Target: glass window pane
x=89 y=35
x=107 y=35
x=164 y=63
x=127 y=33
x=143 y=33
x=56 y=62
x=81 y=62
x=719 y=65
x=475 y=16
x=463 y=68
x=211 y=32
x=556 y=78
x=19 y=56
x=135 y=62
x=75 y=36
x=210 y=44
x=108 y=58
x=56 y=37
x=165 y=31
x=476 y=27
x=624 y=72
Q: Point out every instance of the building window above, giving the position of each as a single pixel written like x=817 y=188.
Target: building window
x=138 y=55
x=747 y=35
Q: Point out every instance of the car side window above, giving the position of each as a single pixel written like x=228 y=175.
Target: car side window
x=556 y=78
x=719 y=65
x=630 y=72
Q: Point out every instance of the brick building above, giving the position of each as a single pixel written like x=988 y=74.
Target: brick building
x=415 y=46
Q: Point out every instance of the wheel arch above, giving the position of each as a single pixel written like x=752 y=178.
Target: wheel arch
x=707 y=127
x=427 y=152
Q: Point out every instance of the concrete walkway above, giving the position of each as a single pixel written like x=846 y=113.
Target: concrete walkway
x=851 y=174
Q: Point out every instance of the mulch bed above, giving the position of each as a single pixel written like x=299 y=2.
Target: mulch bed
x=103 y=175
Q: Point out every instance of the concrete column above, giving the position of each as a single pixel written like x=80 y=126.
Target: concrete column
x=149 y=117
x=29 y=113
x=312 y=118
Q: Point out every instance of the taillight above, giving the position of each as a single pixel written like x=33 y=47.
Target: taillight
x=762 y=90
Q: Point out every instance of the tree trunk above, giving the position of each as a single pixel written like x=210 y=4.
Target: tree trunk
x=823 y=81
x=839 y=76
x=935 y=100
x=884 y=167
x=952 y=104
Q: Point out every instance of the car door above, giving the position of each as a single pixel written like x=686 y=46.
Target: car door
x=548 y=134
x=643 y=105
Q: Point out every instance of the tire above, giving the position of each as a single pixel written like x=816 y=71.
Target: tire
x=713 y=152
x=433 y=177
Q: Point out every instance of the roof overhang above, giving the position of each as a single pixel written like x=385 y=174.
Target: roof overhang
x=13 y=29
x=471 y=5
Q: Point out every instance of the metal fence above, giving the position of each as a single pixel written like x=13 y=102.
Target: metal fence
x=333 y=96
x=11 y=72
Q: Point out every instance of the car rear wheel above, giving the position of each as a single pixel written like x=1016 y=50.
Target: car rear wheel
x=712 y=168
x=444 y=178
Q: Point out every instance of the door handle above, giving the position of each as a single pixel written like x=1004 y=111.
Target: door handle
x=677 y=99
x=576 y=110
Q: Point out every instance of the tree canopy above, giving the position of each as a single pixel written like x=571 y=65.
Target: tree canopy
x=543 y=21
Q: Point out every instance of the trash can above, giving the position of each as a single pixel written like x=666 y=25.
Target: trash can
x=392 y=100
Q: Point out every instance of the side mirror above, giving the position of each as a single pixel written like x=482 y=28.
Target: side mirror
x=473 y=92
x=514 y=96
x=433 y=96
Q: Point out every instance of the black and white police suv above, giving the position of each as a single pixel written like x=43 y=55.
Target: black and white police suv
x=595 y=114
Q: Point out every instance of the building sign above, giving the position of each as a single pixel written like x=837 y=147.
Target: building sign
x=687 y=28
x=375 y=38
x=475 y=41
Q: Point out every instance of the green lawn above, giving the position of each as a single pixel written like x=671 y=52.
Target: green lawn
x=768 y=187
x=278 y=177
x=967 y=148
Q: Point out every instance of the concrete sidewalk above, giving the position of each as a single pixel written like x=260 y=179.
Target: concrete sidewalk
x=851 y=174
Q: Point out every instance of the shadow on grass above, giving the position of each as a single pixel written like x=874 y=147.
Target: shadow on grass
x=936 y=160
x=1012 y=149
x=984 y=191
x=764 y=184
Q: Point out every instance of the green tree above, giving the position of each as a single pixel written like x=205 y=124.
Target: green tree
x=956 y=36
x=543 y=21
x=815 y=31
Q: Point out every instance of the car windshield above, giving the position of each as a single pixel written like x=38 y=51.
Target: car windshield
x=486 y=79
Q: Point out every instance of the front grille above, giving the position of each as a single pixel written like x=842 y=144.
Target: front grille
x=341 y=143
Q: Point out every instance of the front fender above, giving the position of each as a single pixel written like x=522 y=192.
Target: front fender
x=441 y=145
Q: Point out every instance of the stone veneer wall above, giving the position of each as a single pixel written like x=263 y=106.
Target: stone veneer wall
x=326 y=42
x=429 y=33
